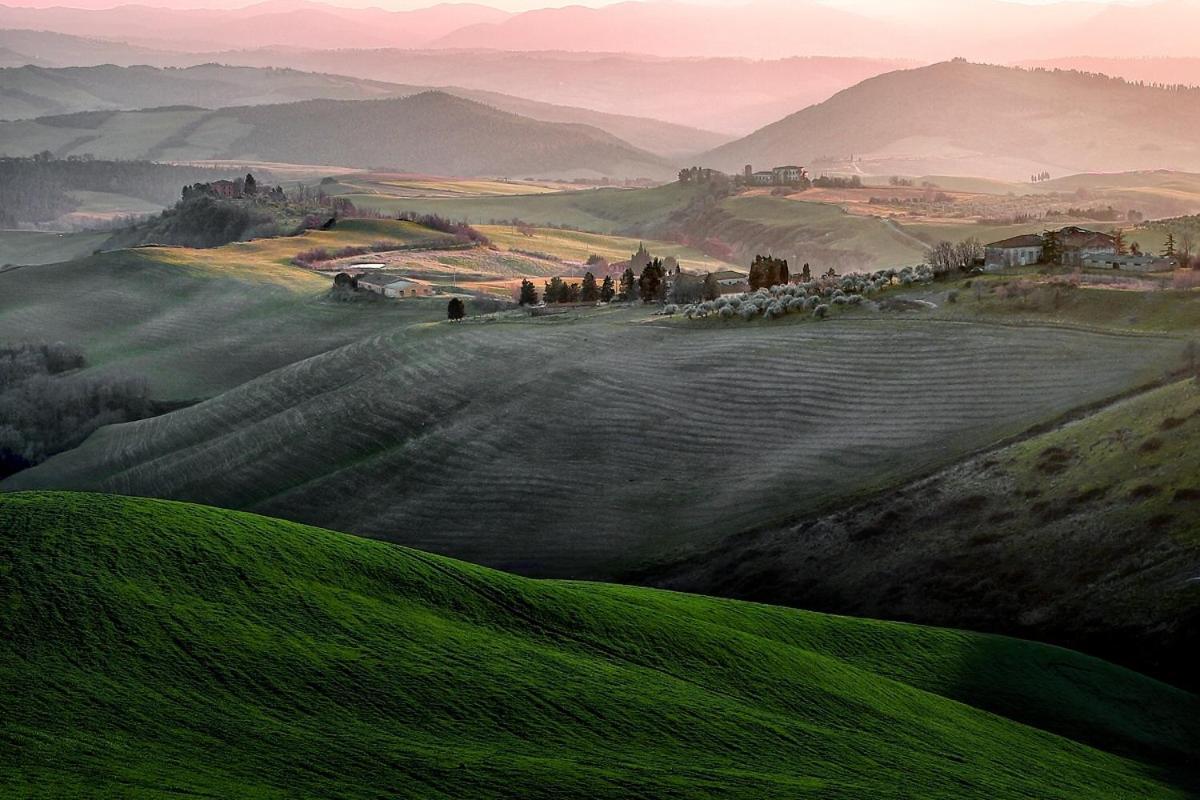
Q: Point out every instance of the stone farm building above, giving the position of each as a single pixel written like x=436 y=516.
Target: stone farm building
x=1079 y=245
x=787 y=175
x=395 y=286
x=1014 y=252
x=1133 y=262
x=731 y=281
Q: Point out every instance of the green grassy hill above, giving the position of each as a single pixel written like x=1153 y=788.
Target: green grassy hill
x=155 y=649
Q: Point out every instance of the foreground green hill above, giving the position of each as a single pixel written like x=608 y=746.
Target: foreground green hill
x=155 y=649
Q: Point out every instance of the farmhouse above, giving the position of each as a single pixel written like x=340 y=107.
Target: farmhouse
x=729 y=277
x=788 y=175
x=394 y=286
x=226 y=189
x=1013 y=252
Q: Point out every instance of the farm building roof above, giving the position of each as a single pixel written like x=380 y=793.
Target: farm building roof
x=1082 y=237
x=1025 y=240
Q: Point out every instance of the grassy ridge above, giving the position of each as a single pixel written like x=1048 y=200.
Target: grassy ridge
x=544 y=445
x=819 y=233
x=39 y=247
x=197 y=322
x=156 y=649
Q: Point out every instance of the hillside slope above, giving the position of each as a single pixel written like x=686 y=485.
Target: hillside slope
x=195 y=323
x=957 y=118
x=560 y=430
x=30 y=91
x=156 y=649
x=1086 y=535
x=430 y=132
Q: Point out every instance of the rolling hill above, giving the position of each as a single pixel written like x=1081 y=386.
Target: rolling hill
x=499 y=412
x=198 y=322
x=1094 y=524
x=958 y=118
x=157 y=649
x=430 y=132
x=28 y=92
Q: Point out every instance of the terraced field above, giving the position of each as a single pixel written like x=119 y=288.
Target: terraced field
x=162 y=650
x=1085 y=535
x=197 y=322
x=582 y=447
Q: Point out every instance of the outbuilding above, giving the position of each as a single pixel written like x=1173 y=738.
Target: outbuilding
x=1017 y=251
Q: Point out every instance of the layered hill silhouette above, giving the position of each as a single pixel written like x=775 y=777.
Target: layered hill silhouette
x=29 y=92
x=288 y=23
x=959 y=118
x=156 y=649
x=431 y=132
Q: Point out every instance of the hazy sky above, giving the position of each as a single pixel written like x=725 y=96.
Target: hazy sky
x=509 y=5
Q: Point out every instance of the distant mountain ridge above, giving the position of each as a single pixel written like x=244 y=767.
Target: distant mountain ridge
x=959 y=118
x=290 y=23
x=704 y=93
x=431 y=132
x=30 y=92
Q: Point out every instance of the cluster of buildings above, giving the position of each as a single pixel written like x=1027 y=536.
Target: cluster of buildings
x=788 y=175
x=1077 y=247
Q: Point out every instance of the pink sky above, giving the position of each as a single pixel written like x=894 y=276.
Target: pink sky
x=885 y=7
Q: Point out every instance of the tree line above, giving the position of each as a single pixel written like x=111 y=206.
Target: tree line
x=45 y=408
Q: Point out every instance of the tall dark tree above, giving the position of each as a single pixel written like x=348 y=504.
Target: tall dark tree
x=250 y=186
x=589 y=292
x=1051 y=250
x=629 y=285
x=570 y=293
x=554 y=291
x=607 y=291
x=1168 y=250
x=712 y=288
x=652 y=283
x=529 y=295
x=456 y=309
x=767 y=271
x=806 y=273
